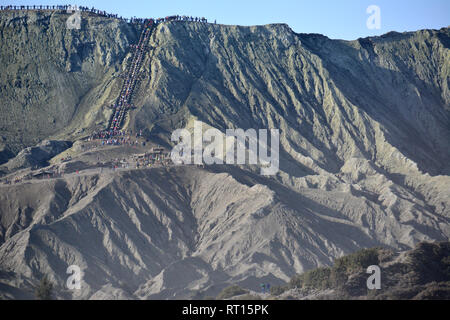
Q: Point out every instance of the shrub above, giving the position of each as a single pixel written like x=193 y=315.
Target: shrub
x=231 y=291
x=446 y=267
x=277 y=290
x=317 y=279
x=353 y=263
x=296 y=281
x=249 y=297
x=45 y=289
x=325 y=277
x=357 y=261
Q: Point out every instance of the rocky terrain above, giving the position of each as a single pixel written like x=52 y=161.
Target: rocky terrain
x=364 y=154
x=422 y=273
x=37 y=156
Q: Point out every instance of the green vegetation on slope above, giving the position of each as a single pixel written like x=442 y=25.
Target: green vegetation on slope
x=422 y=273
x=230 y=292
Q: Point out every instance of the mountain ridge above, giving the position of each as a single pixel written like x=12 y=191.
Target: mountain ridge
x=364 y=154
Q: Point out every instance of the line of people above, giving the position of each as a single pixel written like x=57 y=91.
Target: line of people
x=36 y=7
x=124 y=101
x=102 y=13
x=70 y=8
x=102 y=135
x=120 y=141
x=183 y=18
x=107 y=134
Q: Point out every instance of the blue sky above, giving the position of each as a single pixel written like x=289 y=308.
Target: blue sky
x=344 y=19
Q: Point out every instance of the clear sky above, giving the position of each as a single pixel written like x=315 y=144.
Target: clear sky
x=337 y=19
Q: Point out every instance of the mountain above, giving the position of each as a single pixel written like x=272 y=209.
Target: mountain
x=364 y=154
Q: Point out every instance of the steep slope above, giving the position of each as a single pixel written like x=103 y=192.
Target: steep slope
x=380 y=102
x=52 y=76
x=384 y=99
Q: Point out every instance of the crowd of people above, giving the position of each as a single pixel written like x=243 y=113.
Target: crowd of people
x=118 y=137
x=70 y=8
x=124 y=101
x=183 y=18
x=155 y=157
x=103 y=13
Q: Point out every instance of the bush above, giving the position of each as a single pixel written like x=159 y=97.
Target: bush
x=316 y=279
x=446 y=267
x=296 y=281
x=249 y=297
x=338 y=277
x=277 y=290
x=358 y=261
x=434 y=291
x=231 y=291
x=45 y=289
x=430 y=262
x=325 y=277
x=353 y=263
x=365 y=258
